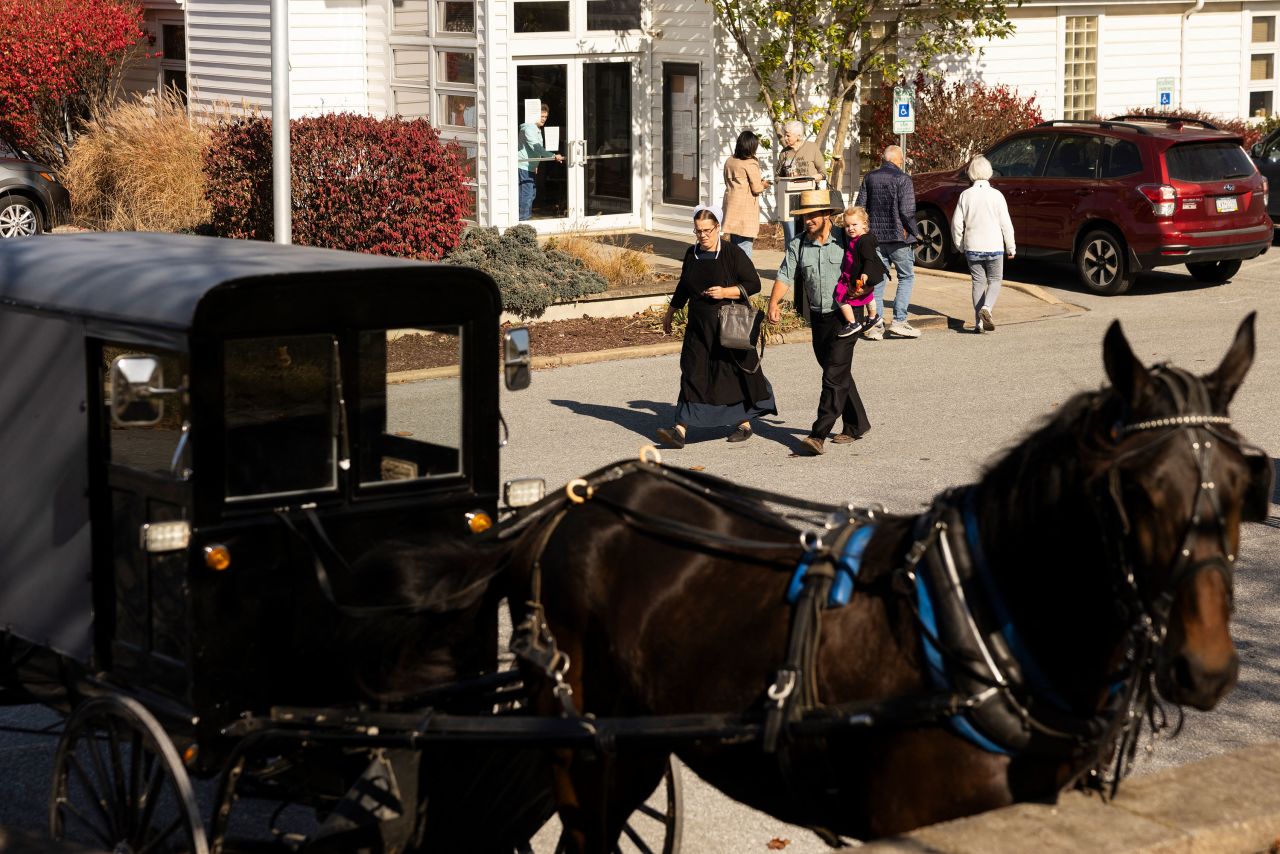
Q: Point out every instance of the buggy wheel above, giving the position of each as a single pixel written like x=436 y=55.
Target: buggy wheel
x=656 y=827
x=119 y=784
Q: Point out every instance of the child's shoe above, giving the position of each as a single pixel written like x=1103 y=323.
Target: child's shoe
x=849 y=329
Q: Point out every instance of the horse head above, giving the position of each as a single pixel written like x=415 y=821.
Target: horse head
x=1178 y=484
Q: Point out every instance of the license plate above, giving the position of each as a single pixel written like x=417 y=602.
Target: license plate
x=1227 y=204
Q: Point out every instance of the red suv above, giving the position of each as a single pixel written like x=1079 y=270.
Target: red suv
x=1116 y=197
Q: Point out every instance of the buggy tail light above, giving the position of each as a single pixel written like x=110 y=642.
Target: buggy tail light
x=165 y=536
x=522 y=493
x=217 y=557
x=1162 y=197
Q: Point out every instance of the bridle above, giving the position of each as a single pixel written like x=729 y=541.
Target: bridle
x=1149 y=614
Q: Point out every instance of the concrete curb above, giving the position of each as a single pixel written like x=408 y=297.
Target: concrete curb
x=1226 y=804
x=1028 y=289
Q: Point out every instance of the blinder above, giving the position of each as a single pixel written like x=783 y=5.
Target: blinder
x=1261 y=489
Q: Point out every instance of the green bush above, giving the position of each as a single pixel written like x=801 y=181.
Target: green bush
x=529 y=277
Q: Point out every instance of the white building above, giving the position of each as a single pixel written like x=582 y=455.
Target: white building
x=647 y=97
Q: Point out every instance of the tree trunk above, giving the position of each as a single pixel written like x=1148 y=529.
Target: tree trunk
x=841 y=136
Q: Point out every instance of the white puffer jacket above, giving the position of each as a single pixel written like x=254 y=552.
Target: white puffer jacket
x=981 y=222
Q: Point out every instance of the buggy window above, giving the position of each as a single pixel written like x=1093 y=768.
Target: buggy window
x=280 y=400
x=148 y=447
x=1203 y=162
x=1019 y=157
x=410 y=404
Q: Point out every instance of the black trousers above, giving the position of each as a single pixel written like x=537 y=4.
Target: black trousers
x=839 y=397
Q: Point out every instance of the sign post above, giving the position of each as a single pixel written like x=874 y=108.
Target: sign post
x=1164 y=93
x=904 y=116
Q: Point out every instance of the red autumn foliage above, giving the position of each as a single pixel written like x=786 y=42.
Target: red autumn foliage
x=58 y=60
x=383 y=186
x=1251 y=132
x=954 y=121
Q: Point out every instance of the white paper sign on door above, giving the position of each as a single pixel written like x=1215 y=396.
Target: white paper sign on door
x=532 y=110
x=551 y=139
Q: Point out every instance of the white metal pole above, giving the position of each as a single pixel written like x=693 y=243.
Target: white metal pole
x=281 y=187
x=902 y=143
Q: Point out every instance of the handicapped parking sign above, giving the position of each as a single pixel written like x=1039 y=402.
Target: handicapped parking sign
x=1164 y=91
x=1166 y=98
x=904 y=118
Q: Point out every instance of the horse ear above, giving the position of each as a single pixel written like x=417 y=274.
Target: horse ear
x=1127 y=374
x=1224 y=381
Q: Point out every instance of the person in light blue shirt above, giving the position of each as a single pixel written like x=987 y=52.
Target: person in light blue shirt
x=531 y=153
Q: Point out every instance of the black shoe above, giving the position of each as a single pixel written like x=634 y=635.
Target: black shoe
x=849 y=329
x=671 y=436
x=742 y=434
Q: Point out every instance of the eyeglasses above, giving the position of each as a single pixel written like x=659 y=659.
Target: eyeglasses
x=701 y=231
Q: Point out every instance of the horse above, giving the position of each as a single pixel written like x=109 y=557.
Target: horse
x=1004 y=644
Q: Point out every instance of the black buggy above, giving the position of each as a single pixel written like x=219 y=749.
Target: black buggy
x=197 y=436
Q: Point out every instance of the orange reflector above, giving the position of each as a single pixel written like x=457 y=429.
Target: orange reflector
x=189 y=755
x=217 y=557
x=479 y=522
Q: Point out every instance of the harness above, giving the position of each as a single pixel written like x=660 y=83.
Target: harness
x=990 y=690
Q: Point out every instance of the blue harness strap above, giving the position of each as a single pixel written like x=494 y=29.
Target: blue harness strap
x=847 y=566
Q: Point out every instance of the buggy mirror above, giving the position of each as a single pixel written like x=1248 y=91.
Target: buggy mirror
x=516 y=362
x=136 y=383
x=1256 y=151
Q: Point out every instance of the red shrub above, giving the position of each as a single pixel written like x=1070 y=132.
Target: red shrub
x=384 y=186
x=954 y=121
x=1251 y=132
x=58 y=60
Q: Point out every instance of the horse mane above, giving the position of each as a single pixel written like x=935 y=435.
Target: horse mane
x=1042 y=469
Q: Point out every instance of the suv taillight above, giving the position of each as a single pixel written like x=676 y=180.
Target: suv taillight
x=1161 y=196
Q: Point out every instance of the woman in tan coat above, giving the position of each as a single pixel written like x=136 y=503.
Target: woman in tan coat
x=743 y=185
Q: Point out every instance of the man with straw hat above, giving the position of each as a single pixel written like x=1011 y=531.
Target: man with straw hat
x=812 y=267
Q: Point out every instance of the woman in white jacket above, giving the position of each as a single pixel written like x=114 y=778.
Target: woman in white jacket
x=982 y=229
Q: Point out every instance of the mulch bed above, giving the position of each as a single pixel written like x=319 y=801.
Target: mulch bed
x=551 y=338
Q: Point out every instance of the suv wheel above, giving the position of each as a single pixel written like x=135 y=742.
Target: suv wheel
x=933 y=250
x=18 y=217
x=1214 y=272
x=1102 y=265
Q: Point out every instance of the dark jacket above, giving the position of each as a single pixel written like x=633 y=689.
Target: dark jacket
x=890 y=199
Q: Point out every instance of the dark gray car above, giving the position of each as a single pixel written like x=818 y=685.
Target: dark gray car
x=1266 y=155
x=31 y=199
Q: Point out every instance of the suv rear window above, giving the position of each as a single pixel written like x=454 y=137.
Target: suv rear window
x=1201 y=162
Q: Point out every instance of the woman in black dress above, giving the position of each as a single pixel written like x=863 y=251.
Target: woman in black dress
x=716 y=386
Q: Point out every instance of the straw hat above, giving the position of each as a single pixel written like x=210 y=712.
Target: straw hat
x=812 y=201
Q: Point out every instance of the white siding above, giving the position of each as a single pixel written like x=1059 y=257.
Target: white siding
x=377 y=77
x=498 y=104
x=1137 y=45
x=229 y=54
x=327 y=57
x=1028 y=61
x=686 y=37
x=1214 y=65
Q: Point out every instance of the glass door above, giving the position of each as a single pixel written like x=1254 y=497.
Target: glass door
x=590 y=124
x=608 y=143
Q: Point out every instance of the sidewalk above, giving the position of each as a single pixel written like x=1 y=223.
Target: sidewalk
x=940 y=299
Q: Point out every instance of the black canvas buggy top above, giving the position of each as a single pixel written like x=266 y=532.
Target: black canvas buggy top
x=68 y=302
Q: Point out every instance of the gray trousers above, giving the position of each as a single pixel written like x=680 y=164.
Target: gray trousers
x=986 y=274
